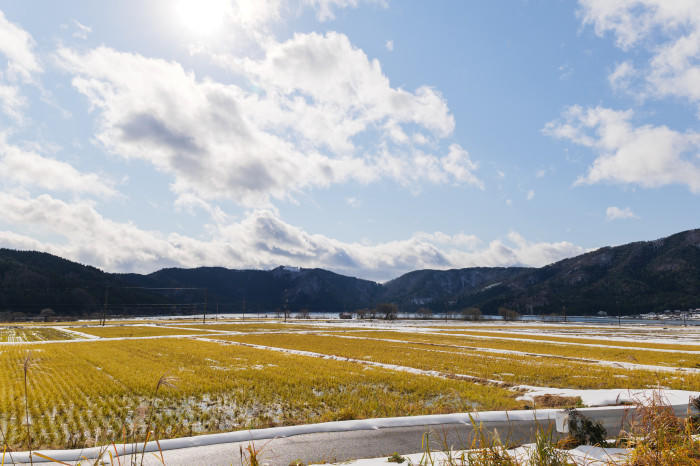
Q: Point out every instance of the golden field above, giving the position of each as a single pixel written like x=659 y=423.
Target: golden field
x=91 y=391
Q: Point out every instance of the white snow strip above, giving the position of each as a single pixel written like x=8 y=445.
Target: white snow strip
x=77 y=334
x=554 y=342
x=583 y=337
x=394 y=367
x=618 y=364
x=97 y=339
x=589 y=397
x=581 y=456
x=610 y=396
x=235 y=332
x=93 y=338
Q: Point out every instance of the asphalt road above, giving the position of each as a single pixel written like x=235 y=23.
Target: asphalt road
x=327 y=447
x=331 y=447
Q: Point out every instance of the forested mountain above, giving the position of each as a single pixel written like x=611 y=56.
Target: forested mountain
x=633 y=278
x=637 y=277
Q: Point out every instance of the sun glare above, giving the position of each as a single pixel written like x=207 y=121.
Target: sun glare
x=202 y=17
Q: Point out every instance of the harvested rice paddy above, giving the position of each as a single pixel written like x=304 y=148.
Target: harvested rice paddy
x=121 y=331
x=94 y=384
x=22 y=334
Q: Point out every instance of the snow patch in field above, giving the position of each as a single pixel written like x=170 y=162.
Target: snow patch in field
x=618 y=364
x=78 y=334
x=609 y=397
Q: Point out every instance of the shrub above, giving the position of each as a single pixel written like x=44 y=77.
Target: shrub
x=471 y=313
x=508 y=314
x=396 y=458
x=389 y=310
x=583 y=431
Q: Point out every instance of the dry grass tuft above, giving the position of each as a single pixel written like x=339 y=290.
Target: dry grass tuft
x=659 y=437
x=557 y=401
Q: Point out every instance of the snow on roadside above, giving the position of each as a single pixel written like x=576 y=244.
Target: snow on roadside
x=583 y=455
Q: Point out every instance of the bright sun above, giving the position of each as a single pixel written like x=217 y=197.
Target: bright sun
x=202 y=17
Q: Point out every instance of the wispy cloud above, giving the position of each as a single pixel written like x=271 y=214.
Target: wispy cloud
x=81 y=31
x=616 y=213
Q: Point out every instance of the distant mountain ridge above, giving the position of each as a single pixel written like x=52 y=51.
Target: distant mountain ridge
x=632 y=278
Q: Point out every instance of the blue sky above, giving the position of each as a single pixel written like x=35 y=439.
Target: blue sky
x=366 y=137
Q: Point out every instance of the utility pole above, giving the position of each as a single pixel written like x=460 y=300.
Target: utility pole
x=284 y=307
x=204 y=316
x=104 y=308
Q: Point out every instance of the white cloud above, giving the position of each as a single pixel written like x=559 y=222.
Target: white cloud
x=12 y=102
x=259 y=240
x=23 y=167
x=621 y=77
x=530 y=194
x=189 y=203
x=353 y=202
x=81 y=31
x=349 y=92
x=296 y=129
x=389 y=45
x=540 y=253
x=668 y=29
x=649 y=156
x=616 y=213
x=565 y=71
x=17 y=45
x=460 y=166
x=325 y=8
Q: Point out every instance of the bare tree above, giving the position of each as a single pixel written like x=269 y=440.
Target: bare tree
x=425 y=313
x=390 y=311
x=508 y=314
x=46 y=314
x=471 y=313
